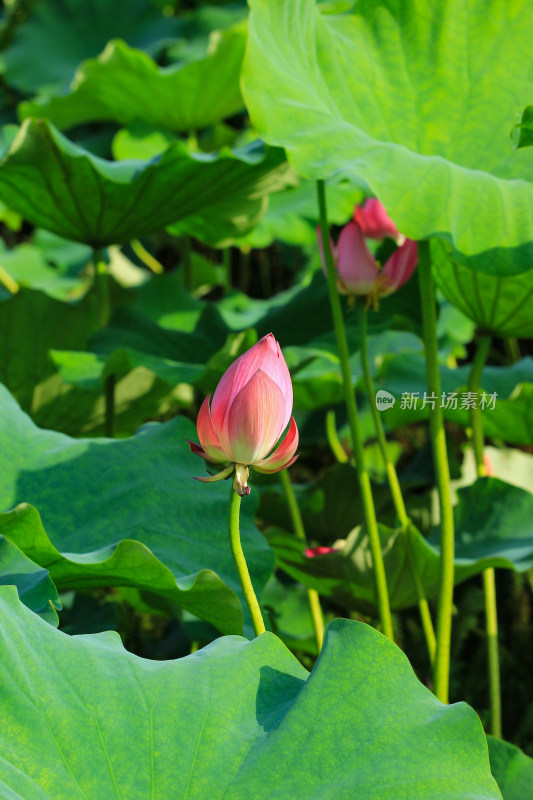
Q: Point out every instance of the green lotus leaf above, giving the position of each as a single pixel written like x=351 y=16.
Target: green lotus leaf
x=493 y=529
x=60 y=33
x=512 y=769
x=498 y=305
x=400 y=95
x=59 y=186
x=166 y=729
x=34 y=585
x=30 y=324
x=132 y=341
x=28 y=266
x=176 y=98
x=148 y=525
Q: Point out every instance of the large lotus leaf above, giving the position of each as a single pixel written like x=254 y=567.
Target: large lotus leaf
x=493 y=522
x=512 y=769
x=63 y=188
x=30 y=324
x=34 y=585
x=510 y=417
x=401 y=95
x=166 y=729
x=498 y=305
x=60 y=33
x=126 y=513
x=177 y=98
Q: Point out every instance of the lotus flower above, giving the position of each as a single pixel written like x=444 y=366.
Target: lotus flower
x=251 y=408
x=313 y=552
x=359 y=273
x=374 y=221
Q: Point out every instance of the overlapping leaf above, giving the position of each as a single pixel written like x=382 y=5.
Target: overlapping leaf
x=63 y=188
x=177 y=98
x=512 y=769
x=126 y=513
x=498 y=305
x=185 y=739
x=416 y=100
x=33 y=583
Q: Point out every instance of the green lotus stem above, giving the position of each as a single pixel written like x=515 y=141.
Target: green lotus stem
x=513 y=349
x=489 y=578
x=101 y=285
x=396 y=492
x=147 y=258
x=441 y=669
x=474 y=384
x=299 y=530
x=240 y=563
x=333 y=438
x=362 y=472
x=491 y=612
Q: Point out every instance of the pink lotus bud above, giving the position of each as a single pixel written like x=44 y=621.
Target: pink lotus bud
x=358 y=273
x=374 y=221
x=250 y=409
x=312 y=552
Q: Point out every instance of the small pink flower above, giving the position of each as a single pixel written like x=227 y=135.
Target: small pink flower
x=487 y=463
x=312 y=552
x=374 y=220
x=251 y=408
x=358 y=273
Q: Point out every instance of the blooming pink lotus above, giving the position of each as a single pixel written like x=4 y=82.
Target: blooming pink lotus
x=358 y=273
x=251 y=408
x=375 y=222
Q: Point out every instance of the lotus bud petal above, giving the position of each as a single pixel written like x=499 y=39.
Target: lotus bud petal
x=399 y=267
x=356 y=266
x=374 y=221
x=251 y=408
x=283 y=456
